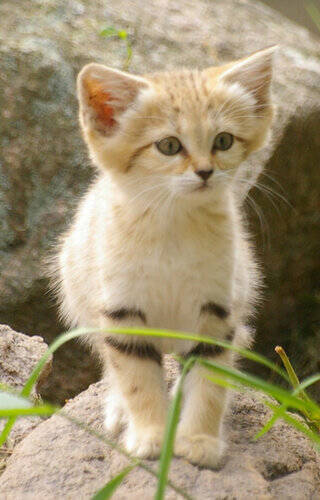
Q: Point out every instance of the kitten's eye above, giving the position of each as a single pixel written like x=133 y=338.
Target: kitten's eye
x=169 y=146
x=223 y=141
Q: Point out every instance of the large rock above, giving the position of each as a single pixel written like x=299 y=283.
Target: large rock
x=44 y=166
x=60 y=460
x=19 y=354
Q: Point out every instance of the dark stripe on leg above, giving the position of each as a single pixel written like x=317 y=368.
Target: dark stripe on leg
x=124 y=313
x=209 y=350
x=215 y=309
x=141 y=350
x=230 y=336
x=204 y=350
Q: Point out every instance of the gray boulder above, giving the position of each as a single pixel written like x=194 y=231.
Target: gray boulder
x=59 y=460
x=18 y=356
x=44 y=167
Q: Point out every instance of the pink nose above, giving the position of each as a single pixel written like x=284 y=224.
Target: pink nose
x=204 y=174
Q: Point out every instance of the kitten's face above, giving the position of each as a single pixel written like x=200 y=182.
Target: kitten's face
x=179 y=135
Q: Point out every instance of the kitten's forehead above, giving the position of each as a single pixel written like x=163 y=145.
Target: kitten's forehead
x=185 y=89
x=188 y=104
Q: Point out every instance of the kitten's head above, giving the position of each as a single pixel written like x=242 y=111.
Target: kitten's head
x=182 y=134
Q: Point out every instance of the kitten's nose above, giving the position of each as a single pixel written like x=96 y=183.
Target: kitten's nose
x=204 y=174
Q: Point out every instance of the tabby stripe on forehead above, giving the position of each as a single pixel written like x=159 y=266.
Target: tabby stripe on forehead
x=141 y=350
x=215 y=309
x=123 y=313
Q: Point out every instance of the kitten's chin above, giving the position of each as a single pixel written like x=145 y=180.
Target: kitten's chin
x=201 y=191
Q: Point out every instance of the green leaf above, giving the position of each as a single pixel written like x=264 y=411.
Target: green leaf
x=107 y=32
x=170 y=432
x=108 y=490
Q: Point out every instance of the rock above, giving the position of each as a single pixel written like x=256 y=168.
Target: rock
x=44 y=166
x=18 y=356
x=60 y=460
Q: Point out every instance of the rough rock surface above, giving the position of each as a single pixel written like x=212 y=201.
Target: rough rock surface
x=18 y=356
x=59 y=460
x=44 y=166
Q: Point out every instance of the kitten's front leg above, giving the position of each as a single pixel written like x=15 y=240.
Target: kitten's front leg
x=199 y=436
x=136 y=379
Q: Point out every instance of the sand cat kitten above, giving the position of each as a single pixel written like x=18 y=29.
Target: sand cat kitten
x=158 y=240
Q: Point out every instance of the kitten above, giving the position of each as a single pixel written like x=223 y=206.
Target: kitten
x=158 y=240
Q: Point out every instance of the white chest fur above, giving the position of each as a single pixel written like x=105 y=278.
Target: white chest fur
x=166 y=270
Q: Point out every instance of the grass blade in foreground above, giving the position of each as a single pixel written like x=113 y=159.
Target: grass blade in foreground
x=315 y=437
x=26 y=391
x=170 y=432
x=78 y=332
x=108 y=490
x=281 y=410
x=260 y=385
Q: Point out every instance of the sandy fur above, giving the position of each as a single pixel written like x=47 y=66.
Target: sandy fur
x=146 y=237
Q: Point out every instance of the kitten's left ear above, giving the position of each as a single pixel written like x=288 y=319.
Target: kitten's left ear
x=254 y=73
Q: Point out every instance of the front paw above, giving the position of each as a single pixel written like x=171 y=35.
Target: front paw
x=144 y=443
x=199 y=449
x=114 y=418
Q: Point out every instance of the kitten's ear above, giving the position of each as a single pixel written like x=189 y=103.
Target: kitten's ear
x=254 y=73
x=104 y=95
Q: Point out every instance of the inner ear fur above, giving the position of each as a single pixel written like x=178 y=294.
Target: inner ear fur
x=104 y=95
x=254 y=74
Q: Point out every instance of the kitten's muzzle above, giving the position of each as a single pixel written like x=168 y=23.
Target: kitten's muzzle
x=204 y=174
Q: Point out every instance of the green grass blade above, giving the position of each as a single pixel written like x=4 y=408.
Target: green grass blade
x=6 y=430
x=108 y=490
x=288 y=366
x=41 y=410
x=260 y=385
x=145 y=332
x=162 y=333
x=278 y=413
x=281 y=410
x=315 y=437
x=26 y=391
x=307 y=382
x=170 y=432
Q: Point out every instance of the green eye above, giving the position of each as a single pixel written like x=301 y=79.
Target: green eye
x=223 y=141
x=169 y=146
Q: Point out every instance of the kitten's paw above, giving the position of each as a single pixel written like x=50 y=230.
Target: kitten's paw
x=114 y=420
x=145 y=443
x=199 y=449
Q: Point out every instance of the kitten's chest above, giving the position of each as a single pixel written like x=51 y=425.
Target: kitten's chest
x=170 y=280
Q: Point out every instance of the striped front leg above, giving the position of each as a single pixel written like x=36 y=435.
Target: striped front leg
x=137 y=392
x=199 y=436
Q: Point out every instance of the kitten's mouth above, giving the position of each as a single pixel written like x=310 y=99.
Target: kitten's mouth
x=203 y=187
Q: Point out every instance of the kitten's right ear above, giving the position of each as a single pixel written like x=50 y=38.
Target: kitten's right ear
x=104 y=95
